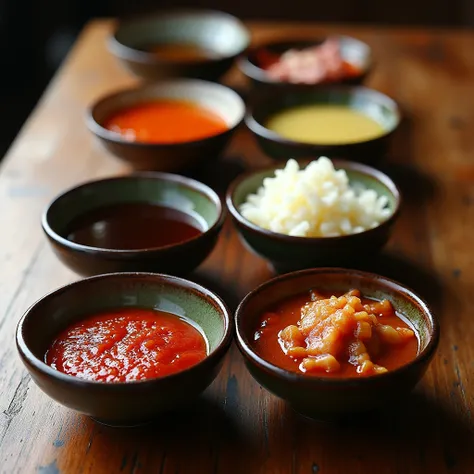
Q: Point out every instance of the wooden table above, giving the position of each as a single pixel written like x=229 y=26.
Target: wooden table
x=238 y=427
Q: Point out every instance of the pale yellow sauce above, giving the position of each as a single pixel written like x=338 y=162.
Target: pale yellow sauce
x=324 y=124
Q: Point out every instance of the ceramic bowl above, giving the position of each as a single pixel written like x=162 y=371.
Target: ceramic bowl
x=325 y=398
x=123 y=403
x=168 y=190
x=222 y=35
x=353 y=51
x=370 y=102
x=170 y=157
x=288 y=253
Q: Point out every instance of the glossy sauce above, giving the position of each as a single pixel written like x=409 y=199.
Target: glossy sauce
x=133 y=226
x=127 y=344
x=324 y=124
x=166 y=121
x=179 y=52
x=288 y=312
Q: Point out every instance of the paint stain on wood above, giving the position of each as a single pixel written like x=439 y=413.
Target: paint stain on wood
x=49 y=469
x=457 y=272
x=314 y=468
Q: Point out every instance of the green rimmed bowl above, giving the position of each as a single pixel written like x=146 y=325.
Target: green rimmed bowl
x=332 y=399
x=123 y=403
x=175 y=156
x=222 y=35
x=167 y=190
x=369 y=102
x=288 y=253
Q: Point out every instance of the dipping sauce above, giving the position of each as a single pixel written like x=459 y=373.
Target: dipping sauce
x=165 y=122
x=133 y=226
x=127 y=344
x=179 y=52
x=324 y=124
x=325 y=335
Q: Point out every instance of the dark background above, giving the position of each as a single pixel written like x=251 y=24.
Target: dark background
x=35 y=35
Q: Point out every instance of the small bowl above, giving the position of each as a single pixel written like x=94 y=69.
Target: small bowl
x=170 y=157
x=288 y=253
x=221 y=34
x=168 y=190
x=325 y=398
x=123 y=403
x=353 y=51
x=374 y=104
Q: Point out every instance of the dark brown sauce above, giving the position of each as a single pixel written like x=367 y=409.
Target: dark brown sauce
x=133 y=226
x=179 y=51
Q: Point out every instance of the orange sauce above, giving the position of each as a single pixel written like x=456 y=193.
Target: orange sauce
x=166 y=121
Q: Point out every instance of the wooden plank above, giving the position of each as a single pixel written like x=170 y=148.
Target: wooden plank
x=237 y=426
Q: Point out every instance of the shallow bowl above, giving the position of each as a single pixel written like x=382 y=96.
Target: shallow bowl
x=123 y=403
x=288 y=253
x=170 y=157
x=167 y=190
x=353 y=51
x=221 y=34
x=370 y=102
x=325 y=398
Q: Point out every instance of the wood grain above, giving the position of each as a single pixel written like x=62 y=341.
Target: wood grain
x=237 y=426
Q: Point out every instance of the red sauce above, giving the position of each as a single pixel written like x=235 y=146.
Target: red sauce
x=132 y=226
x=166 y=121
x=127 y=344
x=288 y=312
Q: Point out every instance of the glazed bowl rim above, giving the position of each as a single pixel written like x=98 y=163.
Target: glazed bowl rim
x=261 y=131
x=361 y=168
x=129 y=53
x=254 y=72
x=101 y=132
x=249 y=353
x=190 y=183
x=168 y=280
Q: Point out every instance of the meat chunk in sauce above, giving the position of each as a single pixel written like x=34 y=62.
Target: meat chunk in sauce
x=336 y=329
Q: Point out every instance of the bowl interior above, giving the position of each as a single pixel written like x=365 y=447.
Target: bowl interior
x=371 y=103
x=358 y=176
x=338 y=280
x=220 y=99
x=218 y=32
x=185 y=195
x=67 y=305
x=353 y=51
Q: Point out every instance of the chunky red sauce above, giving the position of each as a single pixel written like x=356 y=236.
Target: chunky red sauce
x=127 y=344
x=329 y=346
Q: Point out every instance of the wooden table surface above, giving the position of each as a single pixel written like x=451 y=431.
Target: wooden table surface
x=238 y=427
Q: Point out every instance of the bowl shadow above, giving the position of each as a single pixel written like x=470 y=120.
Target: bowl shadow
x=422 y=280
x=192 y=437
x=219 y=174
x=408 y=435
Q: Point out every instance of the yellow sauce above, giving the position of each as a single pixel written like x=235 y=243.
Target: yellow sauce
x=324 y=124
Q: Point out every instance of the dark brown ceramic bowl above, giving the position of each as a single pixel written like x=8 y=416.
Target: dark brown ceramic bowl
x=126 y=403
x=170 y=157
x=288 y=253
x=222 y=35
x=370 y=102
x=326 y=398
x=168 y=190
x=353 y=51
